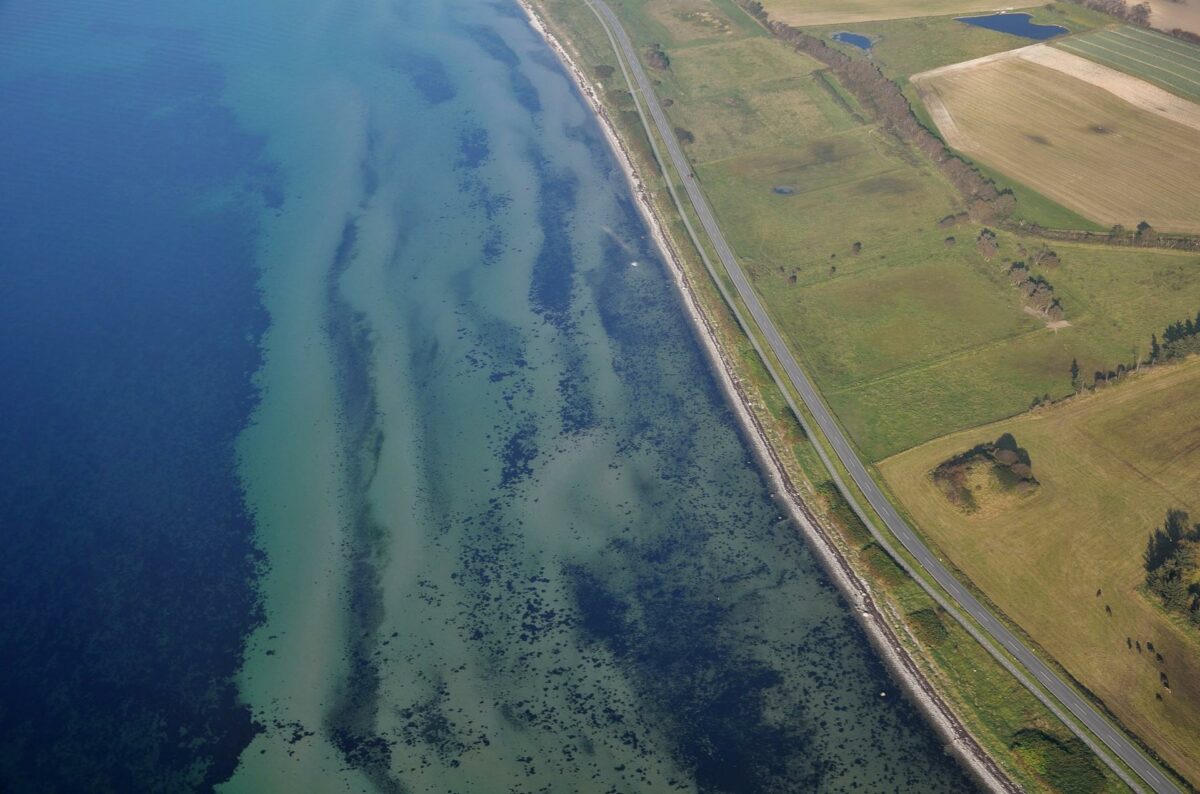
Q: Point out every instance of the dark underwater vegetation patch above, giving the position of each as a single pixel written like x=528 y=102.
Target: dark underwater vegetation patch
x=427 y=74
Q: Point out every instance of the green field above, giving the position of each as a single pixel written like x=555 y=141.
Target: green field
x=1109 y=466
x=1162 y=60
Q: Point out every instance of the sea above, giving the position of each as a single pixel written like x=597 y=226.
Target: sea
x=354 y=439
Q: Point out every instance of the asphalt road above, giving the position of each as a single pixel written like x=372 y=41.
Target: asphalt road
x=1116 y=742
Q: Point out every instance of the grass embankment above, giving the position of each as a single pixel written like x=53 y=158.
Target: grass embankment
x=1057 y=558
x=997 y=709
x=1074 y=142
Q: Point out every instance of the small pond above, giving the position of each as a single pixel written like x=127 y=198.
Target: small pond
x=858 y=40
x=1015 y=24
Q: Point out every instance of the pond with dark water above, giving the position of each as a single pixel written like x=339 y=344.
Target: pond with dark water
x=1016 y=25
x=854 y=39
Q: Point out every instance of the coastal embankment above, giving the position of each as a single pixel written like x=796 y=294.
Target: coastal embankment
x=851 y=584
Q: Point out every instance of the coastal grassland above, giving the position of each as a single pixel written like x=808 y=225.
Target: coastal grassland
x=831 y=12
x=1074 y=142
x=1055 y=559
x=1162 y=60
x=909 y=338
x=1115 y=299
x=994 y=706
x=682 y=21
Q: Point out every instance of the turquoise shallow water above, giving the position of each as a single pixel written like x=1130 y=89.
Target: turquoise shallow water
x=488 y=524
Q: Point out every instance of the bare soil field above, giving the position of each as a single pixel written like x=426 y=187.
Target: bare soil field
x=1074 y=141
x=834 y=12
x=1058 y=557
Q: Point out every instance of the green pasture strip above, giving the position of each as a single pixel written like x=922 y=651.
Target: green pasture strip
x=1148 y=58
x=1165 y=42
x=1189 y=89
x=1184 y=62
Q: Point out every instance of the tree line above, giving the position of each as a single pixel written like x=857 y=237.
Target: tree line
x=1172 y=565
x=884 y=100
x=1138 y=14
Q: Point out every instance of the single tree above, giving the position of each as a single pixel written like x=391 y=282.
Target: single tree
x=1074 y=372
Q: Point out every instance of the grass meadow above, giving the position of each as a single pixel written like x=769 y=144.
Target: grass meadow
x=1109 y=465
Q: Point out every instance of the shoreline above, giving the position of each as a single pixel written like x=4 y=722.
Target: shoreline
x=900 y=664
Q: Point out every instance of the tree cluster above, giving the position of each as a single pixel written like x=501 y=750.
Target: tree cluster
x=1004 y=453
x=1172 y=561
x=884 y=100
x=1039 y=293
x=1138 y=14
x=1117 y=235
x=986 y=243
x=1179 y=339
x=656 y=58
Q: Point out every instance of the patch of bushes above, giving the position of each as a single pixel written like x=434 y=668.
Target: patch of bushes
x=1067 y=766
x=1038 y=292
x=883 y=567
x=855 y=530
x=656 y=58
x=928 y=627
x=1010 y=464
x=986 y=243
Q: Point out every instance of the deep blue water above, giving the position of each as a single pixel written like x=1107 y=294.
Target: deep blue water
x=1018 y=24
x=855 y=39
x=130 y=318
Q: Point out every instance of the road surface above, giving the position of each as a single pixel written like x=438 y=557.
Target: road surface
x=1116 y=742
